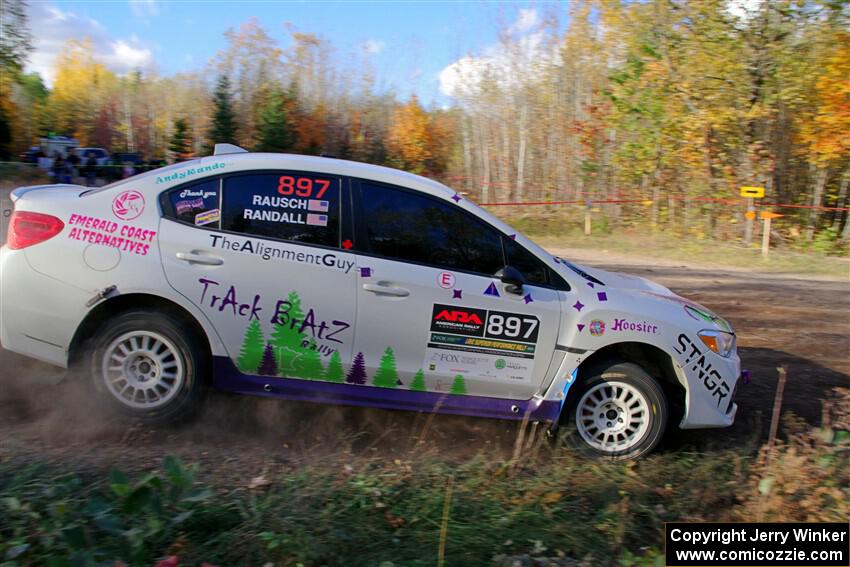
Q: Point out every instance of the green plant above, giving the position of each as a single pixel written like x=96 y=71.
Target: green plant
x=65 y=521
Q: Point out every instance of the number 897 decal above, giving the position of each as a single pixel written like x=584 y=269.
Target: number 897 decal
x=496 y=344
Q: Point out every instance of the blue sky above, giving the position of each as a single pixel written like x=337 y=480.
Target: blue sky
x=409 y=43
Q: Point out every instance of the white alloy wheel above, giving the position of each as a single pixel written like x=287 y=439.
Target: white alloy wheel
x=613 y=417
x=143 y=370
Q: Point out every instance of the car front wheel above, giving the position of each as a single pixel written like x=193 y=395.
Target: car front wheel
x=619 y=412
x=149 y=366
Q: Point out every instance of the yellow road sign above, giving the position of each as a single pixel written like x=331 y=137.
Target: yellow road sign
x=752 y=192
x=766 y=215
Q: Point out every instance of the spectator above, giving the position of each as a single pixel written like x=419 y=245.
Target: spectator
x=73 y=163
x=60 y=169
x=91 y=170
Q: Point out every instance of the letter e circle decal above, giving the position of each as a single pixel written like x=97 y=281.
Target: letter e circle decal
x=446 y=280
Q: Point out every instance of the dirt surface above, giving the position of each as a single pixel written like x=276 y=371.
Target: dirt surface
x=780 y=320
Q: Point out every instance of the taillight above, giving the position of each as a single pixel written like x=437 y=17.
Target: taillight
x=27 y=228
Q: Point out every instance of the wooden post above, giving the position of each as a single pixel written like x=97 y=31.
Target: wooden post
x=748 y=227
x=765 y=238
x=587 y=219
x=777 y=406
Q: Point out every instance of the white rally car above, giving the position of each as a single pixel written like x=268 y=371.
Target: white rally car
x=323 y=280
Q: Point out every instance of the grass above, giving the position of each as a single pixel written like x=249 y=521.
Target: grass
x=564 y=231
x=419 y=512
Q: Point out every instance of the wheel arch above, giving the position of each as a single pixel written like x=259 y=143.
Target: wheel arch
x=652 y=359
x=124 y=302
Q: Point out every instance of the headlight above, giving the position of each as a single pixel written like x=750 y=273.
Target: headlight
x=707 y=316
x=721 y=342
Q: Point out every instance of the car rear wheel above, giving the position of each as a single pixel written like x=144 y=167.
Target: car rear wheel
x=619 y=412
x=150 y=366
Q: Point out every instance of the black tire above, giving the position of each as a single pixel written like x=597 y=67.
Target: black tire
x=180 y=352
x=642 y=399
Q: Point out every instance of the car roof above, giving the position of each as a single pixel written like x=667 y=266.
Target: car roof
x=258 y=161
x=248 y=161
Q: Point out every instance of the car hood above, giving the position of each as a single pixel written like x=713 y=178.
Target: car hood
x=616 y=280
x=638 y=286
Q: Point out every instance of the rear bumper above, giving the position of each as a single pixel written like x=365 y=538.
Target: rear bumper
x=35 y=309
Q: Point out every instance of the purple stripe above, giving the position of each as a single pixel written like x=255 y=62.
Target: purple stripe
x=228 y=378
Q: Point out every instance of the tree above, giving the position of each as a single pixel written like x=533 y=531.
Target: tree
x=268 y=366
x=357 y=372
x=81 y=89
x=15 y=37
x=458 y=386
x=274 y=131
x=181 y=144
x=253 y=346
x=15 y=45
x=825 y=130
x=408 y=139
x=418 y=384
x=287 y=337
x=387 y=375
x=223 y=128
x=251 y=61
x=334 y=373
x=310 y=364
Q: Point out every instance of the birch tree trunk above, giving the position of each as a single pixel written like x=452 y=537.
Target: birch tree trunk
x=467 y=153
x=842 y=199
x=520 y=166
x=817 y=197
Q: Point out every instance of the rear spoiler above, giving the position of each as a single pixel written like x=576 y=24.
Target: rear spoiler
x=21 y=191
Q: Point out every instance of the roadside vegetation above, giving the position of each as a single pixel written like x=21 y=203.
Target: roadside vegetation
x=547 y=507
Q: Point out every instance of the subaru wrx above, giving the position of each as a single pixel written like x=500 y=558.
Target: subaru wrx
x=322 y=280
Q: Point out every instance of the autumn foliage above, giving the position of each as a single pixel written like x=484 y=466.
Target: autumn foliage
x=656 y=111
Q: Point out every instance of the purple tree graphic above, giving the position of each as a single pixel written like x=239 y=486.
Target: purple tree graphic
x=268 y=366
x=357 y=372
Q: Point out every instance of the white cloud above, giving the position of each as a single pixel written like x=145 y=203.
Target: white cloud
x=527 y=19
x=125 y=57
x=743 y=9
x=144 y=9
x=373 y=46
x=54 y=27
x=508 y=64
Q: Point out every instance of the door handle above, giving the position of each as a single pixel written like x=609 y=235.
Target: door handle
x=195 y=258
x=383 y=288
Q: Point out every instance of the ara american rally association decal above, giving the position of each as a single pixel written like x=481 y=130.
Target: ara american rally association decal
x=482 y=343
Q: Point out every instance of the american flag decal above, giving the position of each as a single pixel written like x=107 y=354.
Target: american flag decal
x=317 y=220
x=318 y=206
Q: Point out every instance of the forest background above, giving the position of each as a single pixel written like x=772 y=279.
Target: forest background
x=651 y=114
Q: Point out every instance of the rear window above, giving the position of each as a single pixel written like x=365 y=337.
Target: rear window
x=196 y=204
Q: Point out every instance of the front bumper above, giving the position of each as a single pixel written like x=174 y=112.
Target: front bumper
x=711 y=382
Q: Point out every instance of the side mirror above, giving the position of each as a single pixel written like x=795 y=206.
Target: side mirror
x=512 y=278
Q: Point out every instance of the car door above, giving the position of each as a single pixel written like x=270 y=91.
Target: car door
x=259 y=253
x=431 y=316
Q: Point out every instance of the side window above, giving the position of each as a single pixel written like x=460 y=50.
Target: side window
x=415 y=228
x=524 y=261
x=301 y=207
x=196 y=204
